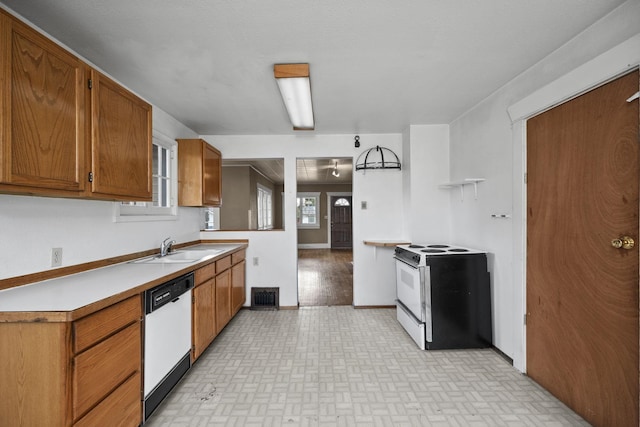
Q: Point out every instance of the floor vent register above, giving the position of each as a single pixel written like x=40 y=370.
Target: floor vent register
x=265 y=298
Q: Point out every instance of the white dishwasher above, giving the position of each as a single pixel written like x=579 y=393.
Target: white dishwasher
x=167 y=338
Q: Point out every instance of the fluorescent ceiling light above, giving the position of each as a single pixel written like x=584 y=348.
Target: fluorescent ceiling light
x=295 y=88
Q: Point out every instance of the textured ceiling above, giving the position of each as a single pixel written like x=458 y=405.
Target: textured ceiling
x=376 y=65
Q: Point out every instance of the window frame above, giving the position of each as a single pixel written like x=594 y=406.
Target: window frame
x=145 y=211
x=269 y=214
x=308 y=195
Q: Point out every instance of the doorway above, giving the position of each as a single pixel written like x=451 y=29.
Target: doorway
x=324 y=221
x=582 y=292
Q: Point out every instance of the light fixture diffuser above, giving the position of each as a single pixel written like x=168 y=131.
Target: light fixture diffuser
x=295 y=88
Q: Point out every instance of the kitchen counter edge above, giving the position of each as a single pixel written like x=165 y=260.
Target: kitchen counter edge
x=56 y=316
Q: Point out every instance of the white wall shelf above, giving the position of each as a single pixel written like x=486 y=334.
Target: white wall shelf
x=461 y=184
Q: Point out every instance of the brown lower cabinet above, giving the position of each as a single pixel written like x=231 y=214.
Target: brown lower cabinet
x=218 y=295
x=223 y=299
x=88 y=372
x=73 y=373
x=204 y=310
x=237 y=286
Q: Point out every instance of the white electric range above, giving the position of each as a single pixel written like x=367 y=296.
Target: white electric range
x=444 y=295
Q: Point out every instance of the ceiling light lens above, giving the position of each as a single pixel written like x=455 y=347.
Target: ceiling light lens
x=296 y=93
x=295 y=88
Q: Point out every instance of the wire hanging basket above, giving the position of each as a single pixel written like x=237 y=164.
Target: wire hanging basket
x=377 y=158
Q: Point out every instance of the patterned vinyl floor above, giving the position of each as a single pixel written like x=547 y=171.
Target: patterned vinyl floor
x=338 y=366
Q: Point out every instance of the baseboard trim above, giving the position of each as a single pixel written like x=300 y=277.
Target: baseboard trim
x=503 y=355
x=357 y=307
x=366 y=307
x=314 y=246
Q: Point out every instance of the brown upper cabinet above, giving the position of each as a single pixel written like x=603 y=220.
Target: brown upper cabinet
x=199 y=174
x=42 y=111
x=65 y=129
x=120 y=141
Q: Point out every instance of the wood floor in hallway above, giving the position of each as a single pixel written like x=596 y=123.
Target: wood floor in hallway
x=325 y=277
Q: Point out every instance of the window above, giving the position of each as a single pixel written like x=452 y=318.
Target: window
x=265 y=208
x=341 y=202
x=308 y=210
x=164 y=167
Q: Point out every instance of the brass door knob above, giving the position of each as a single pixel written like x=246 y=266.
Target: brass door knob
x=624 y=242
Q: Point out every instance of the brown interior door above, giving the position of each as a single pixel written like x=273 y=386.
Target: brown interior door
x=582 y=293
x=341 y=236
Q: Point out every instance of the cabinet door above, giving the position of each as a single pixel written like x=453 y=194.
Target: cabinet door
x=120 y=142
x=223 y=299
x=212 y=179
x=237 y=287
x=42 y=113
x=199 y=173
x=204 y=318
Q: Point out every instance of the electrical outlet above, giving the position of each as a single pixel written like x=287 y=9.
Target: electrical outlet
x=56 y=257
x=256 y=260
x=363 y=205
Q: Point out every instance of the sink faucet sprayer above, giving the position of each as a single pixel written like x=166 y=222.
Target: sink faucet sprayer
x=165 y=247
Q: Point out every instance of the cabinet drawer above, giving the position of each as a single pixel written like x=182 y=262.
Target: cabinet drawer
x=99 y=370
x=122 y=408
x=223 y=264
x=205 y=273
x=236 y=257
x=97 y=326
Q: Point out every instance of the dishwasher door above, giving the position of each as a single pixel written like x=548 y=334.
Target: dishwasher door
x=167 y=339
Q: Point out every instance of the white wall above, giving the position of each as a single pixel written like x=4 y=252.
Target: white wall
x=84 y=229
x=373 y=277
x=427 y=214
x=482 y=145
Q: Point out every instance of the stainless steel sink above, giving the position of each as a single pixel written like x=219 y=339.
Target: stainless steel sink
x=180 y=257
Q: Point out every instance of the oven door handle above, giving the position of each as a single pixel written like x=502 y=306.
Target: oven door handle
x=405 y=262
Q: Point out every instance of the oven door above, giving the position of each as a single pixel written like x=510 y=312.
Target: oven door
x=409 y=289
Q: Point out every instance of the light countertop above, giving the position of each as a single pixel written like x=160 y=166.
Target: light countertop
x=386 y=242
x=72 y=292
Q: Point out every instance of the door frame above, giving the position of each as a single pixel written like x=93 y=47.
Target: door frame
x=338 y=194
x=608 y=66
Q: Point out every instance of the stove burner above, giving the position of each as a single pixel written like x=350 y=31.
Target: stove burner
x=433 y=251
x=416 y=246
x=458 y=250
x=438 y=246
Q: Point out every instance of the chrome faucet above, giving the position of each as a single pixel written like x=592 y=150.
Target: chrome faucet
x=165 y=247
